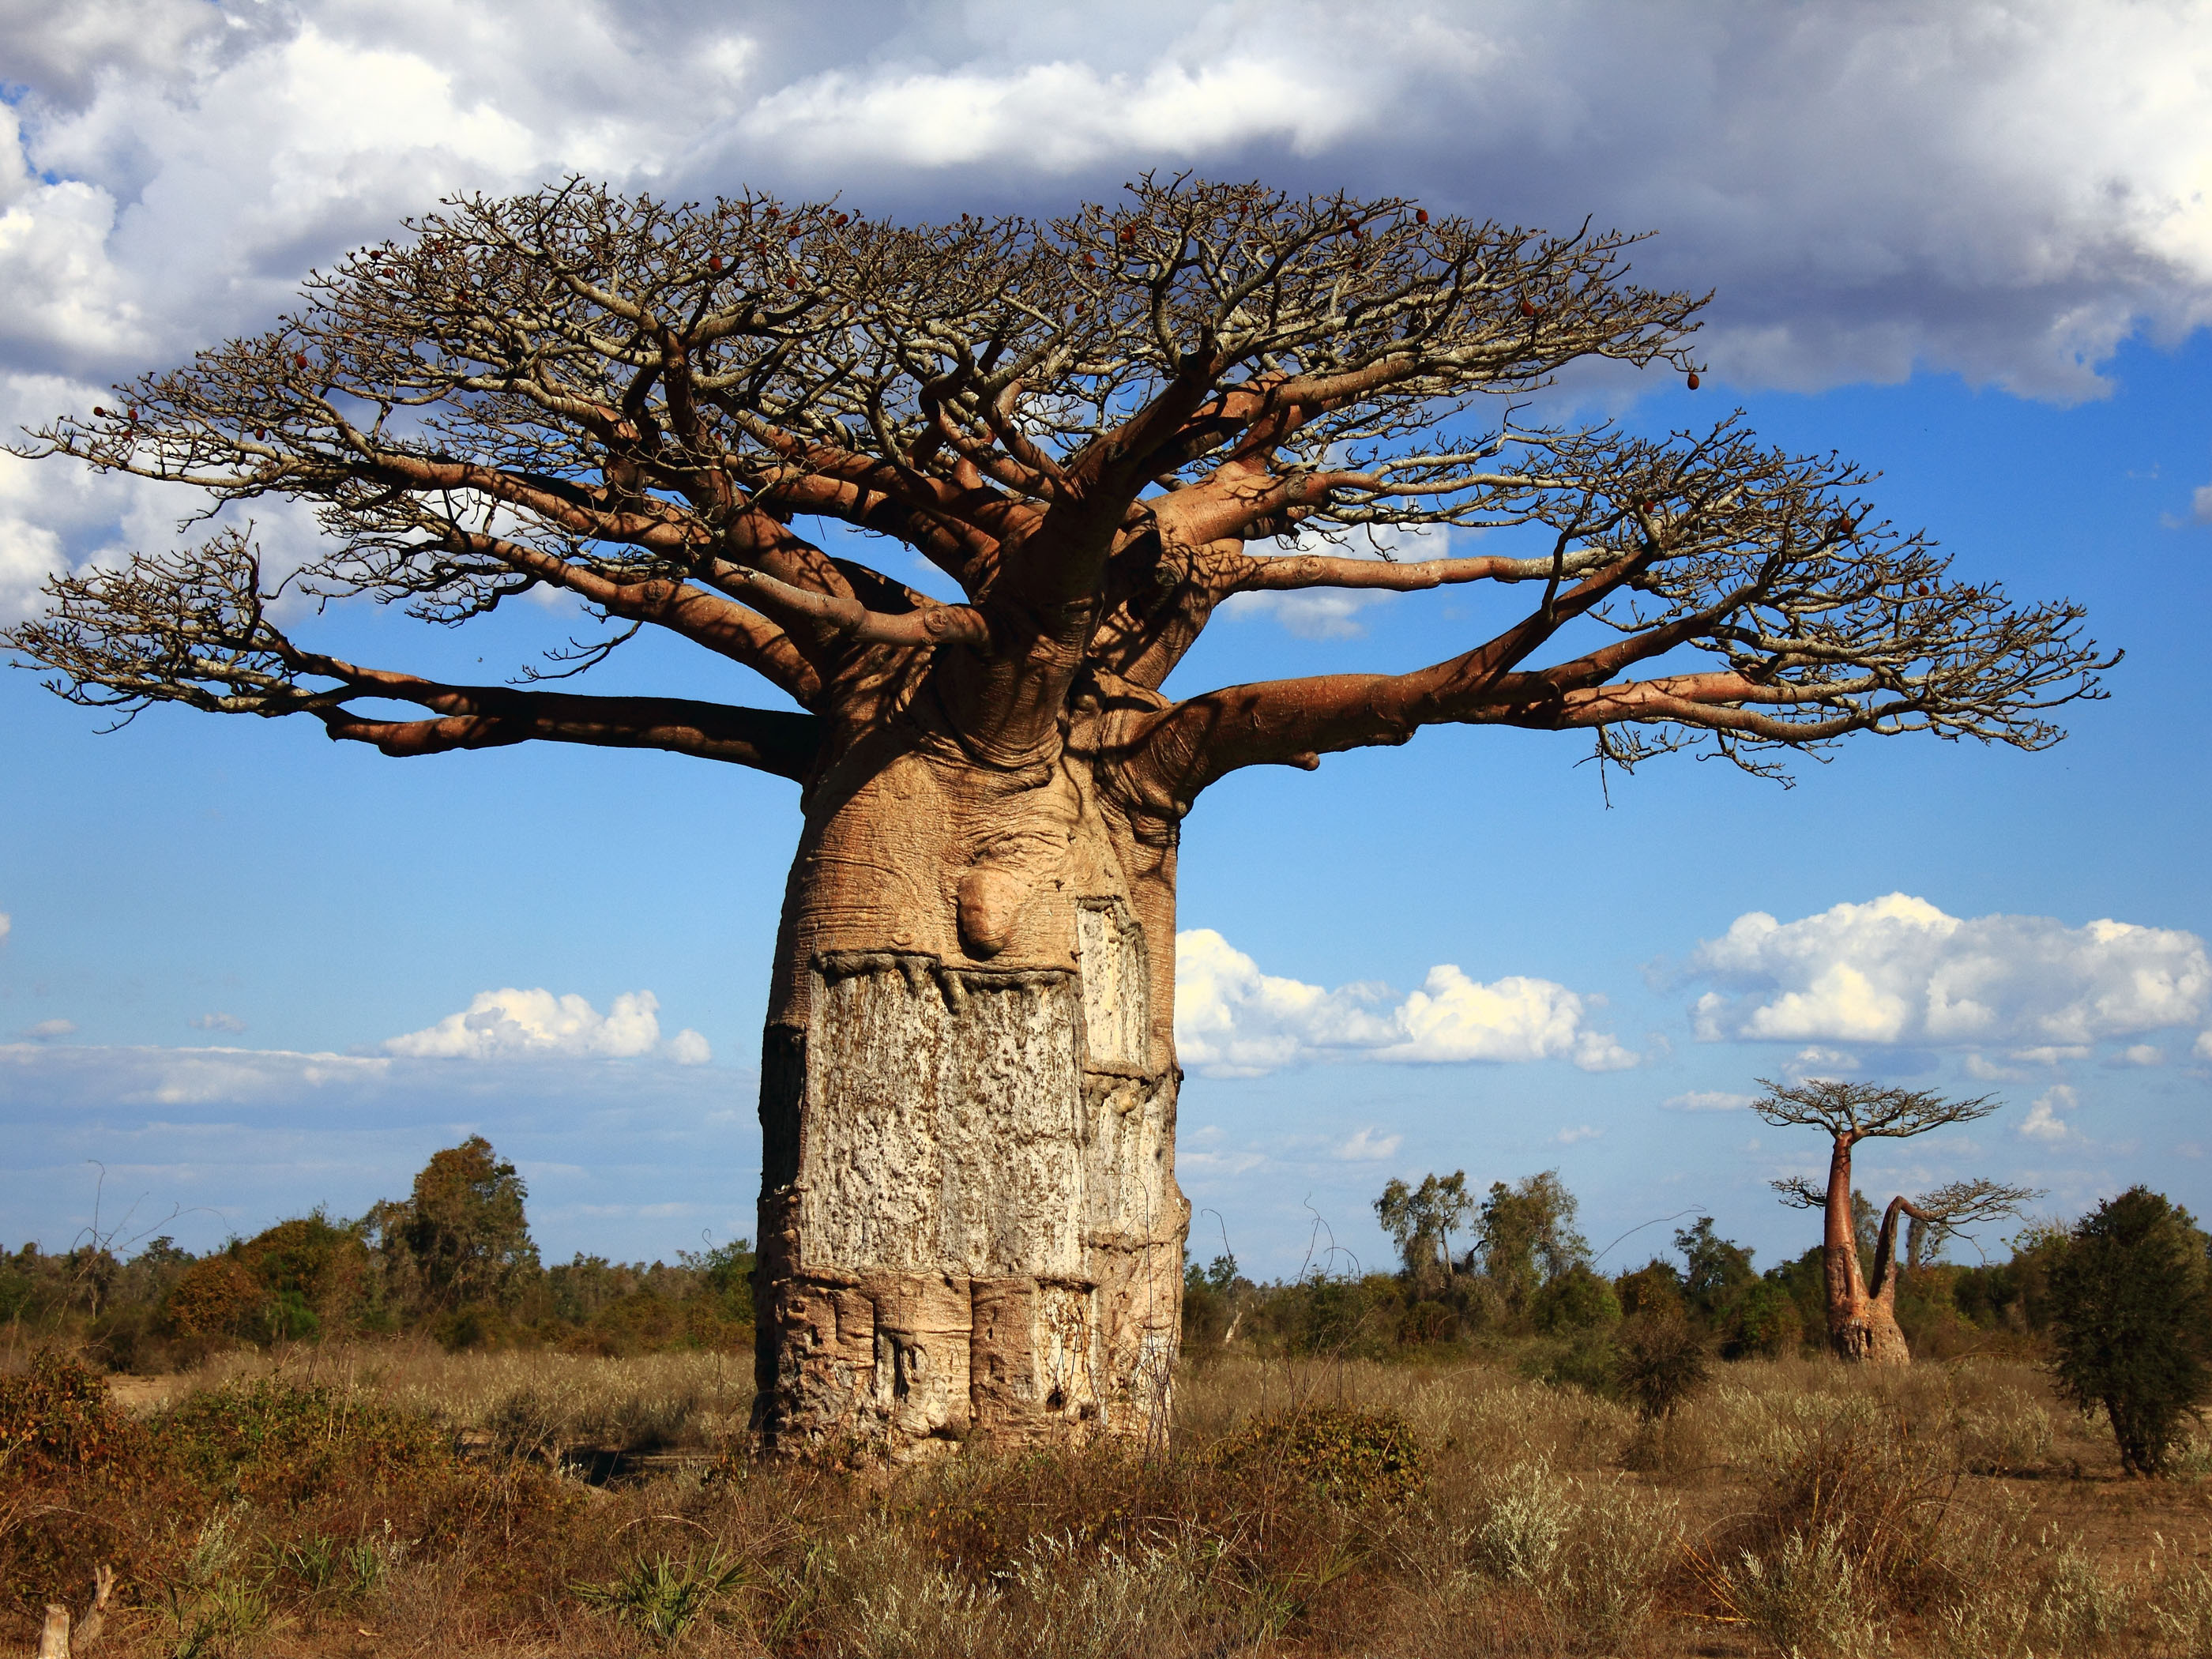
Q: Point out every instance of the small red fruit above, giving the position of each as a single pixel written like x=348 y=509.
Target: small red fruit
x=134 y=414
x=714 y=262
x=98 y=413
x=299 y=360
x=1528 y=309
x=1693 y=380
x=1420 y=216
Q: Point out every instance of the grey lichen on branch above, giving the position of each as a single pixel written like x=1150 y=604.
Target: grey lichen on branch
x=1085 y=422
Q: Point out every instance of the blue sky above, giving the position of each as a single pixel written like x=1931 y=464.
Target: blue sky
x=1972 y=253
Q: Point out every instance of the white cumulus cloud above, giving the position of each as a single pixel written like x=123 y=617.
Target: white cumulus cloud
x=1706 y=1100
x=536 y=1024
x=1233 y=1020
x=1367 y=1147
x=2006 y=191
x=51 y=1030
x=2043 y=1122
x=1898 y=969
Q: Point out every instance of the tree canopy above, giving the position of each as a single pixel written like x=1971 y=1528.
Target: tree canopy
x=1084 y=422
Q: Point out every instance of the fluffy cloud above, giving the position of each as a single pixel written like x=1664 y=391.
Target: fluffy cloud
x=1706 y=1100
x=511 y=1025
x=2004 y=191
x=1899 y=971
x=5 y=925
x=51 y=1030
x=2043 y=1122
x=219 y=1022
x=1367 y=1147
x=1232 y=1020
x=2007 y=191
x=1322 y=614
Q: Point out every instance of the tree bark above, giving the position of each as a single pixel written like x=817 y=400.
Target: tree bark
x=1862 y=1325
x=969 y=1223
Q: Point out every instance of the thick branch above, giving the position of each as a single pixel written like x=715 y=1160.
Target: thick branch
x=489 y=717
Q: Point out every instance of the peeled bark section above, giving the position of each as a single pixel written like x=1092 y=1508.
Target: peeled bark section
x=969 y=1223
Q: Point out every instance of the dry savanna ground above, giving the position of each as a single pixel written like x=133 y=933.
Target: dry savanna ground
x=391 y=1499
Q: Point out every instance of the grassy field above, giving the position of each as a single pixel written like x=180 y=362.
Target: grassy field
x=390 y=1499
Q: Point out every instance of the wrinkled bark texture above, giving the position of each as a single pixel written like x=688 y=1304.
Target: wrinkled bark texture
x=969 y=1223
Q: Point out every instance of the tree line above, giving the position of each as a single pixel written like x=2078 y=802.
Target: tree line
x=454 y=1260
x=2118 y=1305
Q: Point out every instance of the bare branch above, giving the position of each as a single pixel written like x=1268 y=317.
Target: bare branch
x=1865 y=1111
x=1799 y=1194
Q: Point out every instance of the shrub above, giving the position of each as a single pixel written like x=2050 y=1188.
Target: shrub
x=2130 y=1314
x=56 y=1421
x=661 y=1596
x=1355 y=1456
x=1522 y=1520
x=274 y=1442
x=1762 y=1320
x=70 y=1468
x=1577 y=1299
x=218 y=1297
x=1660 y=1362
x=1801 y=1597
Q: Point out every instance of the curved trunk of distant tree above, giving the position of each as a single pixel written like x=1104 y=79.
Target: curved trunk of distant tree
x=970 y=1222
x=1862 y=1323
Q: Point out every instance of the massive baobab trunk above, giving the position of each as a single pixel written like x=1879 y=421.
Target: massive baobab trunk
x=970 y=1222
x=1089 y=426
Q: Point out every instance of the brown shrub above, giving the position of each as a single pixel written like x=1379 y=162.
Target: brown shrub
x=1356 y=1456
x=218 y=1296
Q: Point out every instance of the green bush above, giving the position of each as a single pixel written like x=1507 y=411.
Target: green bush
x=1577 y=1299
x=2132 y=1323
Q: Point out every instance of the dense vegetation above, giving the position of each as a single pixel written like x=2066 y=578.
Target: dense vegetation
x=1526 y=1284
x=453 y=1262
x=404 y=1428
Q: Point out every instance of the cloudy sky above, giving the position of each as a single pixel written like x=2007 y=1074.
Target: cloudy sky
x=245 y=972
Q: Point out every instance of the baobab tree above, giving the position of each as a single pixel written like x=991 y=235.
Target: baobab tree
x=1863 y=1315
x=1091 y=426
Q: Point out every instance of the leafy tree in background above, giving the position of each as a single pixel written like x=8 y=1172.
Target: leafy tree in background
x=462 y=1237
x=1713 y=1268
x=1526 y=1236
x=2132 y=1323
x=1421 y=1220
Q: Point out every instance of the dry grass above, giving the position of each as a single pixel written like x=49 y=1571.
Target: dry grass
x=1793 y=1507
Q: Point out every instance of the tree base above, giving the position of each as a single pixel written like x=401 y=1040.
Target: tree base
x=970 y=1224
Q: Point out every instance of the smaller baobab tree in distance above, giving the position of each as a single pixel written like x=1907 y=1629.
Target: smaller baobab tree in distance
x=1863 y=1315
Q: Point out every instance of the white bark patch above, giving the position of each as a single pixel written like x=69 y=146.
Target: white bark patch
x=944 y=1139
x=983 y=1232
x=1110 y=950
